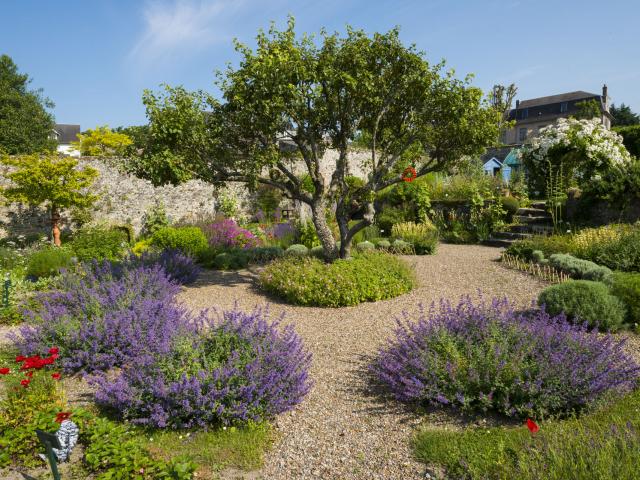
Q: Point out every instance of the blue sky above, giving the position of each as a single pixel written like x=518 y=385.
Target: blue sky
x=94 y=58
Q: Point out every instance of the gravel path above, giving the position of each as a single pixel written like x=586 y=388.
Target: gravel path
x=342 y=430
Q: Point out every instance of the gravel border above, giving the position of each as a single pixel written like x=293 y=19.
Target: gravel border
x=343 y=430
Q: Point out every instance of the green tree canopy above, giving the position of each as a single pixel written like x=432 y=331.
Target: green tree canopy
x=102 y=141
x=623 y=116
x=25 y=123
x=50 y=180
x=319 y=94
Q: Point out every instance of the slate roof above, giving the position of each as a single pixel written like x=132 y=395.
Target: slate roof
x=66 y=133
x=563 y=97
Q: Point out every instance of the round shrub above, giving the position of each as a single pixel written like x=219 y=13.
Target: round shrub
x=383 y=244
x=189 y=240
x=402 y=247
x=47 y=262
x=231 y=260
x=537 y=256
x=578 y=268
x=362 y=278
x=264 y=254
x=365 y=246
x=100 y=243
x=479 y=357
x=236 y=369
x=584 y=301
x=626 y=287
x=104 y=316
x=297 y=250
x=317 y=252
x=510 y=205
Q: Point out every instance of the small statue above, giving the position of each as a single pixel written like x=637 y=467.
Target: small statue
x=67 y=435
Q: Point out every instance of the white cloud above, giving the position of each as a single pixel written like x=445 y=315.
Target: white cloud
x=180 y=27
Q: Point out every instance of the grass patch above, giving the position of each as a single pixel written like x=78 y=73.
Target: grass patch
x=604 y=444
x=213 y=450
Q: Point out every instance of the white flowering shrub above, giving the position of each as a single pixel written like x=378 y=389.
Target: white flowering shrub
x=585 y=149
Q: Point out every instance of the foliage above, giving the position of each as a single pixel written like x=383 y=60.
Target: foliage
x=189 y=240
x=412 y=196
x=614 y=246
x=231 y=260
x=389 y=216
x=30 y=392
x=623 y=116
x=423 y=236
x=104 y=316
x=306 y=234
x=586 y=149
x=49 y=180
x=577 y=268
x=297 y=250
x=585 y=301
x=154 y=219
x=626 y=287
x=47 y=262
x=226 y=233
x=598 y=446
x=25 y=123
x=487 y=356
x=511 y=205
x=99 y=243
x=365 y=246
x=401 y=247
x=325 y=92
x=309 y=281
x=237 y=368
x=588 y=109
x=101 y=142
x=631 y=138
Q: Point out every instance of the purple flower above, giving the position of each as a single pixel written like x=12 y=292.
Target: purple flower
x=533 y=365
x=227 y=234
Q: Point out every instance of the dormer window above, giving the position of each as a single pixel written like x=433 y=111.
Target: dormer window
x=524 y=113
x=564 y=106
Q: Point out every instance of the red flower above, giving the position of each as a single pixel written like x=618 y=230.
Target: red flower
x=54 y=356
x=20 y=358
x=409 y=174
x=48 y=361
x=4 y=371
x=25 y=382
x=62 y=416
x=532 y=426
x=53 y=350
x=55 y=376
x=29 y=374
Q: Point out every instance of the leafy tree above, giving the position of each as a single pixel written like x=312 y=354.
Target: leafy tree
x=501 y=98
x=25 y=124
x=102 y=141
x=323 y=95
x=631 y=138
x=50 y=180
x=623 y=115
x=588 y=109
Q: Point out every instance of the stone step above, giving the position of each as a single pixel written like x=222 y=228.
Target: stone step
x=538 y=220
x=508 y=235
x=533 y=212
x=498 y=242
x=539 y=204
x=534 y=229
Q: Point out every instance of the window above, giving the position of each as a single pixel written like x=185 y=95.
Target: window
x=522 y=134
x=524 y=114
x=563 y=107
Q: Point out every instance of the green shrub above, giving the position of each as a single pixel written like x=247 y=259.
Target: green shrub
x=389 y=216
x=383 y=244
x=362 y=246
x=621 y=253
x=48 y=262
x=401 y=247
x=189 y=240
x=99 y=243
x=423 y=236
x=231 y=260
x=264 y=254
x=548 y=245
x=154 y=219
x=510 y=205
x=364 y=277
x=584 y=301
x=366 y=234
x=626 y=287
x=317 y=252
x=297 y=250
x=578 y=268
x=537 y=256
x=306 y=234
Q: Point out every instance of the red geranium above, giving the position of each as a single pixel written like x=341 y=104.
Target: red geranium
x=532 y=426
x=25 y=382
x=20 y=358
x=62 y=416
x=29 y=374
x=53 y=350
x=409 y=174
x=55 y=376
x=4 y=371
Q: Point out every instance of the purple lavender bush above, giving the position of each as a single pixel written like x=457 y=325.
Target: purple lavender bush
x=104 y=316
x=480 y=357
x=234 y=369
x=178 y=267
x=226 y=233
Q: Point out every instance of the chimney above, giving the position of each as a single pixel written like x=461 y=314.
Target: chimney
x=518 y=102
x=605 y=91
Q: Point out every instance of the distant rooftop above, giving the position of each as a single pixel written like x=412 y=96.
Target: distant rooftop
x=66 y=133
x=563 y=97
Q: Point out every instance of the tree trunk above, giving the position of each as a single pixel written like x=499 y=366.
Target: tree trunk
x=319 y=216
x=55 y=225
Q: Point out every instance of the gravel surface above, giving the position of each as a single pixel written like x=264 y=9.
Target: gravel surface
x=343 y=430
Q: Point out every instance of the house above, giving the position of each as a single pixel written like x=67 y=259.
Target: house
x=65 y=134
x=532 y=115
x=502 y=161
